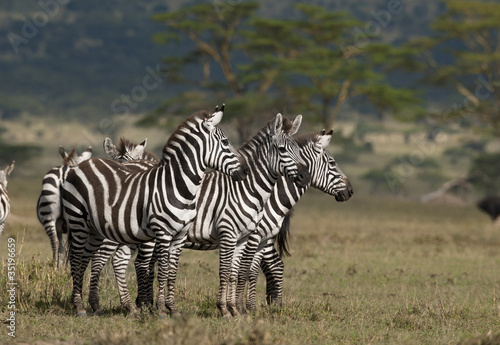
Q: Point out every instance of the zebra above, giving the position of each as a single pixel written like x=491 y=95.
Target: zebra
x=129 y=154
x=105 y=199
x=4 y=195
x=325 y=176
x=127 y=151
x=225 y=210
x=48 y=207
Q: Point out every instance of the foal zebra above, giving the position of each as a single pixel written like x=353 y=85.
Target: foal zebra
x=225 y=210
x=325 y=176
x=48 y=207
x=4 y=195
x=105 y=199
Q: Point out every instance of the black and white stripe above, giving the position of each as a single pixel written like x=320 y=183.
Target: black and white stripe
x=133 y=156
x=4 y=195
x=228 y=211
x=325 y=176
x=48 y=207
x=105 y=199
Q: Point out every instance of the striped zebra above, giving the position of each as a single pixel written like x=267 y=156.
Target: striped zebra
x=4 y=195
x=48 y=207
x=227 y=211
x=130 y=155
x=128 y=151
x=105 y=199
x=325 y=176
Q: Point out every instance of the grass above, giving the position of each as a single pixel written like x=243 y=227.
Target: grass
x=372 y=270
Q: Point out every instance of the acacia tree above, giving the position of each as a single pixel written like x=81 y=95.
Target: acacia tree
x=335 y=74
x=301 y=61
x=468 y=34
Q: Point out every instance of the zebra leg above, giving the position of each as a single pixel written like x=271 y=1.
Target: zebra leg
x=233 y=280
x=163 y=242
x=173 y=264
x=100 y=258
x=253 y=274
x=226 y=248
x=273 y=267
x=245 y=263
x=77 y=243
x=120 y=262
x=145 y=278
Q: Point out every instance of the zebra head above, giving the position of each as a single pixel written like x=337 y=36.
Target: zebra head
x=71 y=159
x=4 y=173
x=288 y=161
x=325 y=173
x=220 y=154
x=128 y=151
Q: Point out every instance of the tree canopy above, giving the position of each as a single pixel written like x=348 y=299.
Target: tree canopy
x=301 y=60
x=464 y=54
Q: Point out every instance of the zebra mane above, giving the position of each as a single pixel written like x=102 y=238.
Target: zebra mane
x=307 y=138
x=126 y=146
x=194 y=118
x=287 y=124
x=259 y=137
x=71 y=159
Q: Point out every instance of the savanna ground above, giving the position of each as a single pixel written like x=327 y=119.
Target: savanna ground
x=372 y=270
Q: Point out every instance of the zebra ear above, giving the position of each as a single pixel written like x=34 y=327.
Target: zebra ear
x=278 y=123
x=62 y=152
x=213 y=120
x=296 y=124
x=85 y=155
x=324 y=139
x=110 y=148
x=138 y=151
x=9 y=168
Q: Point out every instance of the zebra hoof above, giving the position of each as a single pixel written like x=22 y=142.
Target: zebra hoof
x=176 y=315
x=81 y=314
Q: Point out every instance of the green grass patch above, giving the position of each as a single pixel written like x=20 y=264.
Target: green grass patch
x=372 y=270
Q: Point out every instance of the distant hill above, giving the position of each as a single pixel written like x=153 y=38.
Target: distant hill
x=92 y=58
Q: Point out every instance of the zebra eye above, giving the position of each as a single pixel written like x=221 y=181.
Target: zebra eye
x=282 y=149
x=225 y=142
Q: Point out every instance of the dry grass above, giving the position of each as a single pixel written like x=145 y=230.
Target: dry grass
x=379 y=271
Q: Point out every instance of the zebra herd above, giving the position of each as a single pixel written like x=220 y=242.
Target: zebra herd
x=201 y=194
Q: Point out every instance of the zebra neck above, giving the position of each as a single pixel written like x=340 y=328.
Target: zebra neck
x=185 y=171
x=288 y=193
x=260 y=180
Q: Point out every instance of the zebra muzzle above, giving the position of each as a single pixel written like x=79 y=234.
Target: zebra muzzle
x=346 y=193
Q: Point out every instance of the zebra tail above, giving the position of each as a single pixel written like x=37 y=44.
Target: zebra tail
x=283 y=234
